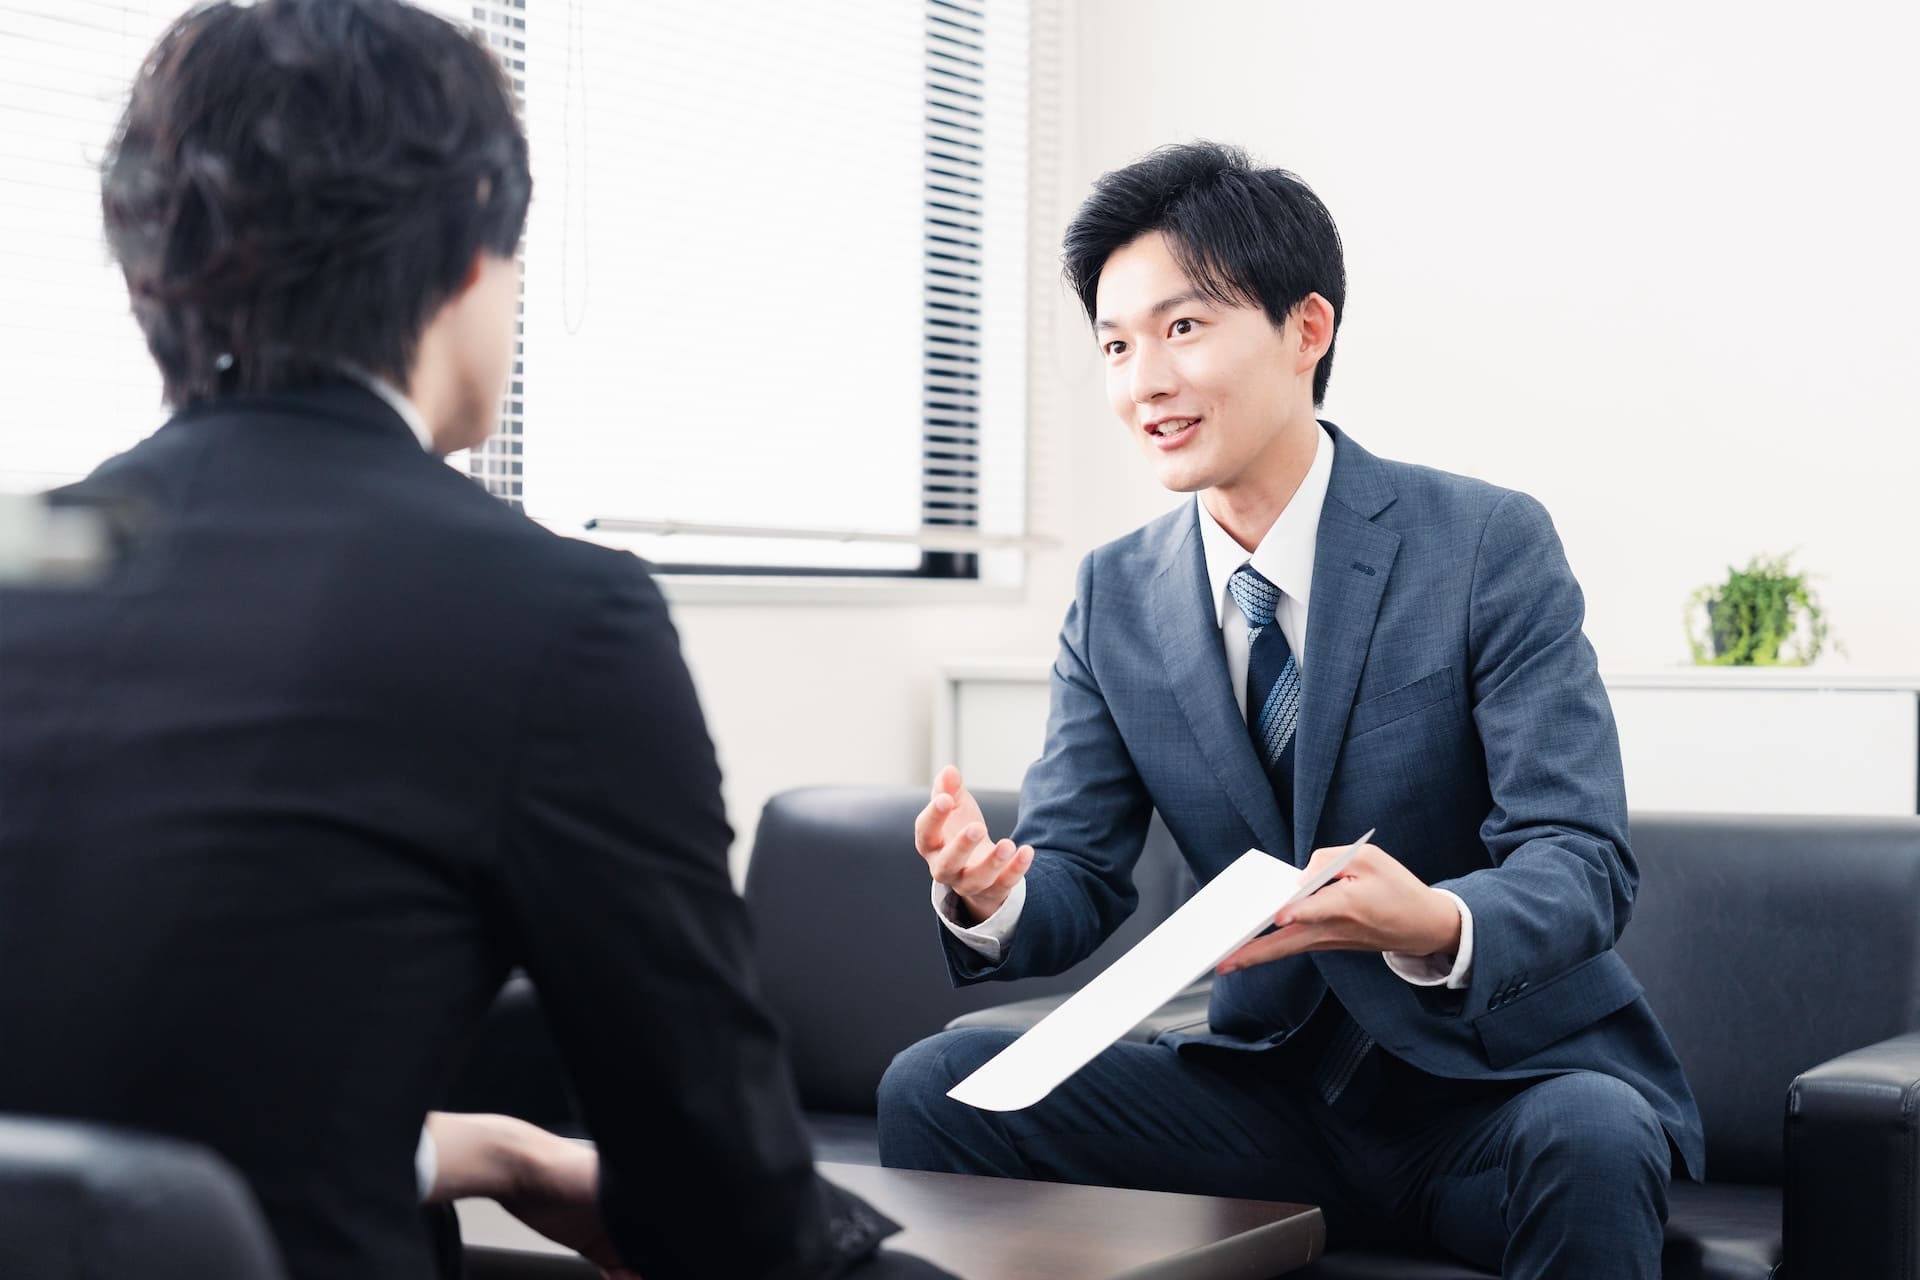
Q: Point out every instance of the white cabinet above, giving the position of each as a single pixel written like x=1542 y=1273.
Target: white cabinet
x=990 y=718
x=1721 y=740
x=1713 y=740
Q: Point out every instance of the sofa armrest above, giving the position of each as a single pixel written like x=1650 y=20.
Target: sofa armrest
x=1853 y=1164
x=1185 y=1012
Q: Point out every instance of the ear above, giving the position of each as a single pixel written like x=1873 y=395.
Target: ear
x=1315 y=318
x=472 y=276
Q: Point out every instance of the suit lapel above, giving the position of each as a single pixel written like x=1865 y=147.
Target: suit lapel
x=1183 y=617
x=1351 y=562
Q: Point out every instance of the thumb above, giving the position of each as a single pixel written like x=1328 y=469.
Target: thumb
x=1325 y=904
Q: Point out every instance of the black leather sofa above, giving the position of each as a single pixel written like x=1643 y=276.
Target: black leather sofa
x=1782 y=955
x=88 y=1202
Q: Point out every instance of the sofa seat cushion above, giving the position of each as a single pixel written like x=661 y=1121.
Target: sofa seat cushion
x=1186 y=1013
x=1722 y=1231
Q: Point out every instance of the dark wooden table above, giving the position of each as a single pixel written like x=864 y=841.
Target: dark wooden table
x=1003 y=1229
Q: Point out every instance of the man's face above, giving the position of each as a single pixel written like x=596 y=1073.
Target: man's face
x=1206 y=389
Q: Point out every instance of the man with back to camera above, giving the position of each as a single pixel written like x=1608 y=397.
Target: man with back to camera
x=1441 y=1046
x=346 y=739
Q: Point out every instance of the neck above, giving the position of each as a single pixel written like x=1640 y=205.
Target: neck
x=435 y=396
x=1247 y=506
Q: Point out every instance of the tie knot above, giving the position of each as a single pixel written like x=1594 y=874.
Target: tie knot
x=1256 y=597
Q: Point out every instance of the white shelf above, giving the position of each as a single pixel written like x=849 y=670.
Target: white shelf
x=1815 y=678
x=1708 y=739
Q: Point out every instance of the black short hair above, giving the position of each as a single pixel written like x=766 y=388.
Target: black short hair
x=1245 y=236
x=299 y=185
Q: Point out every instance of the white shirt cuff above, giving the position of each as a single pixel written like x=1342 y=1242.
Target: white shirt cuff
x=1452 y=972
x=426 y=1165
x=989 y=937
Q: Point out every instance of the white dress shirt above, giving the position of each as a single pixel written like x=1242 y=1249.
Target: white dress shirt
x=1284 y=558
x=398 y=402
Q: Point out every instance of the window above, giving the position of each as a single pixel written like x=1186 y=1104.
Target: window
x=775 y=277
x=78 y=376
x=775 y=271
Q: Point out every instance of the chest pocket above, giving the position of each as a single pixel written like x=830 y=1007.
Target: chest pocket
x=1438 y=690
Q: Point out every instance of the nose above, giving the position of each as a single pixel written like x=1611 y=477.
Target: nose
x=1151 y=374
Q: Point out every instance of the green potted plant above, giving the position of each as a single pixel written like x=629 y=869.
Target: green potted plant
x=1764 y=615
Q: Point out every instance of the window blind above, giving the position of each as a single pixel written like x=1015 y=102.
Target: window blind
x=774 y=275
x=79 y=382
x=497 y=465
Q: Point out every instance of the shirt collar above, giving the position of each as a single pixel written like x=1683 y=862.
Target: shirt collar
x=1285 y=556
x=397 y=401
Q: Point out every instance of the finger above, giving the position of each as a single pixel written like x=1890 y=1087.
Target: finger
x=1015 y=869
x=929 y=825
x=1332 y=903
x=1291 y=941
x=926 y=831
x=984 y=868
x=1321 y=857
x=947 y=781
x=961 y=848
x=1270 y=946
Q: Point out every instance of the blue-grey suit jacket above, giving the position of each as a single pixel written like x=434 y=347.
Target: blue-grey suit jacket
x=1451 y=702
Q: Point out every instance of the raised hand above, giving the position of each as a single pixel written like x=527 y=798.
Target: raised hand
x=951 y=834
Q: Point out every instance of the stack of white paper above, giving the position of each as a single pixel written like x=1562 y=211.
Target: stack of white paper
x=1233 y=907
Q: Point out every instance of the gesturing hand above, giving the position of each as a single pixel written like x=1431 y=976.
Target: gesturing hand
x=1375 y=904
x=951 y=834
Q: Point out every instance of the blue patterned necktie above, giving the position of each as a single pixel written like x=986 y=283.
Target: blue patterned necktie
x=1273 y=711
x=1273 y=682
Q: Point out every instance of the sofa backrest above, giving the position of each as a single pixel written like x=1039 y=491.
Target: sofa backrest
x=1768 y=945
x=83 y=1200
x=847 y=944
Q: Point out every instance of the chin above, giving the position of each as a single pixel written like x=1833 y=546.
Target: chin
x=1184 y=479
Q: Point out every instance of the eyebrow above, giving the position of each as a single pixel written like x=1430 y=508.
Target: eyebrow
x=1160 y=308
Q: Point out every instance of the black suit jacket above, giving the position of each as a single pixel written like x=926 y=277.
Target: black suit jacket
x=282 y=804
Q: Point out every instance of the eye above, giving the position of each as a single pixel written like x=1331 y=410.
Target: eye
x=1182 y=327
x=1114 y=348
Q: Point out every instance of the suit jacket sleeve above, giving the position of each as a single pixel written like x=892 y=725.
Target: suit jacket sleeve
x=616 y=890
x=1083 y=809
x=1562 y=885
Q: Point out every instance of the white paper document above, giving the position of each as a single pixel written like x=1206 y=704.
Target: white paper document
x=1233 y=907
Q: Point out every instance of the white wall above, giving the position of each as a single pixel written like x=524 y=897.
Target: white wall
x=1653 y=263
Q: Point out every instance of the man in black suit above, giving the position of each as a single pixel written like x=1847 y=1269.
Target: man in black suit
x=346 y=739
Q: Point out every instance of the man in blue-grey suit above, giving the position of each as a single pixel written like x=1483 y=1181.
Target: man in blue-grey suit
x=1442 y=1045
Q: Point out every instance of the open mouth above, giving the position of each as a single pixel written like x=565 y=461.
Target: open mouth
x=1170 y=430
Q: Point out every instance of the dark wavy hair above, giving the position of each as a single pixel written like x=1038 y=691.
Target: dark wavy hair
x=299 y=185
x=1244 y=236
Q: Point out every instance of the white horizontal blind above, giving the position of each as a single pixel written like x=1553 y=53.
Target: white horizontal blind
x=80 y=385
x=1004 y=31
x=775 y=266
x=728 y=300
x=724 y=270
x=498 y=464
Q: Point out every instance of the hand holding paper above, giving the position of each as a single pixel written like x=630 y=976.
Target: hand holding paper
x=1378 y=905
x=1232 y=907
